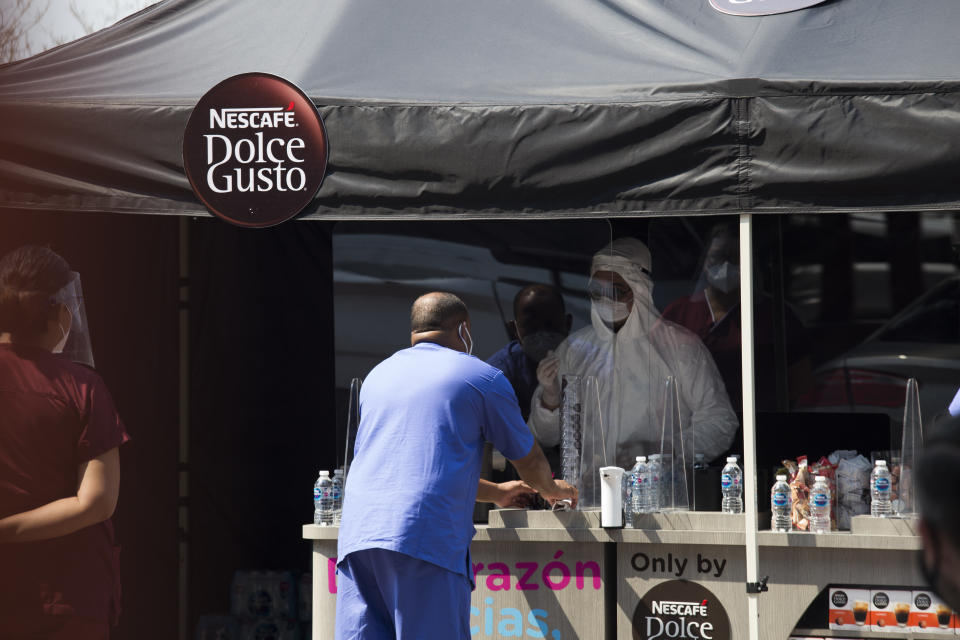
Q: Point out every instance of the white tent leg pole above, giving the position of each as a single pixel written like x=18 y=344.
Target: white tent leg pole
x=183 y=512
x=749 y=421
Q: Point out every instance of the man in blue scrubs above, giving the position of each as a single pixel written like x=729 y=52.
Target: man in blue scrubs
x=425 y=413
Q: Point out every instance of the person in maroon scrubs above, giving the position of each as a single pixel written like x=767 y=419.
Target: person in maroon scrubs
x=713 y=313
x=59 y=462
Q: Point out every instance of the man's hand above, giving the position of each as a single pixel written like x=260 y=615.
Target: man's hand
x=561 y=491
x=535 y=470
x=547 y=376
x=514 y=493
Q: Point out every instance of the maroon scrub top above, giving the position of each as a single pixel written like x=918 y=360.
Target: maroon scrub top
x=54 y=416
x=722 y=339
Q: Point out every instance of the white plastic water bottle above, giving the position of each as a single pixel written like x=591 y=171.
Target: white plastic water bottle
x=631 y=492
x=337 y=488
x=820 y=506
x=881 y=505
x=639 y=477
x=780 y=504
x=651 y=495
x=641 y=492
x=323 y=500
x=731 y=485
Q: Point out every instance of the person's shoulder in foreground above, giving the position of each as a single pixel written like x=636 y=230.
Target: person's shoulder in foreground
x=938 y=492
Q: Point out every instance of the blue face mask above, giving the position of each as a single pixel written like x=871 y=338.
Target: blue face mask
x=460 y=331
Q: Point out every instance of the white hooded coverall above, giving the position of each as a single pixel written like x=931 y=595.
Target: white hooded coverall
x=631 y=367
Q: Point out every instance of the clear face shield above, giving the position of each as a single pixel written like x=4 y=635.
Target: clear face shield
x=76 y=339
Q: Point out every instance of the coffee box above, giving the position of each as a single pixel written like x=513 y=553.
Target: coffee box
x=930 y=614
x=890 y=610
x=849 y=608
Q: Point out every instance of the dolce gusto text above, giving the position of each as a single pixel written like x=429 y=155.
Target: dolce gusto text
x=264 y=160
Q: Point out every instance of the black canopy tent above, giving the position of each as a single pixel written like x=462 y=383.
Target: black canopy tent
x=540 y=108
x=446 y=110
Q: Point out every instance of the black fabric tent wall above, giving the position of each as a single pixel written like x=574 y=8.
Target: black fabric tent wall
x=262 y=412
x=541 y=108
x=129 y=270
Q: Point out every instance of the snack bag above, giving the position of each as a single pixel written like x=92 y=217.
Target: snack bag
x=853 y=489
x=801 y=481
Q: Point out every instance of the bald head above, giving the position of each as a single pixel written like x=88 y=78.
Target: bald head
x=437 y=311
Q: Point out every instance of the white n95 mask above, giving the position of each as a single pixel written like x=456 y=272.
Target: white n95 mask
x=724 y=277
x=611 y=311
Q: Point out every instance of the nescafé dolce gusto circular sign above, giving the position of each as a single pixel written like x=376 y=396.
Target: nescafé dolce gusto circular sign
x=680 y=609
x=761 y=7
x=255 y=150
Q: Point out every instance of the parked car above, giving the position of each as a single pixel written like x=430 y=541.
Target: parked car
x=922 y=342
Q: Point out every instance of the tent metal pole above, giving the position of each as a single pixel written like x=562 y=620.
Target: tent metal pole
x=183 y=502
x=749 y=421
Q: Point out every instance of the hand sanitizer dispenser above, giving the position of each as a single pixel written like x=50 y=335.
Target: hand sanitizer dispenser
x=611 y=497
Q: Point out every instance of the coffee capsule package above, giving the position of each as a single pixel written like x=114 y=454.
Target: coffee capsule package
x=849 y=608
x=890 y=610
x=930 y=614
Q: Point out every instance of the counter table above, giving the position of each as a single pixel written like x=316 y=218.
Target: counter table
x=677 y=575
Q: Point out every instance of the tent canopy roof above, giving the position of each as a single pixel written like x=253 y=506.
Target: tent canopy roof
x=541 y=107
x=493 y=52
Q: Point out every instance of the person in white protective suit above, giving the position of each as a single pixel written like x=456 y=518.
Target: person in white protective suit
x=631 y=351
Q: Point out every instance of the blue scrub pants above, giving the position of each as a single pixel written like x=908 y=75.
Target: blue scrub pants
x=385 y=595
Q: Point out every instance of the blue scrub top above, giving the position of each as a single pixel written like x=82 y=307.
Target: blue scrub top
x=425 y=414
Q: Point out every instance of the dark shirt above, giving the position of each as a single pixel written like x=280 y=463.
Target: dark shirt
x=722 y=339
x=54 y=416
x=520 y=370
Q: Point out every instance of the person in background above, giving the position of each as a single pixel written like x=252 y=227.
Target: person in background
x=713 y=313
x=631 y=351
x=540 y=324
x=59 y=461
x=938 y=493
x=425 y=414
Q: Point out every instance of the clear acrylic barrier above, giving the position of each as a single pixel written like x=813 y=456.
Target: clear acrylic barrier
x=597 y=450
x=910 y=449
x=353 y=423
x=582 y=442
x=676 y=452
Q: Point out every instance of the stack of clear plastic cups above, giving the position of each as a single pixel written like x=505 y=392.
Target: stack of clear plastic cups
x=571 y=428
